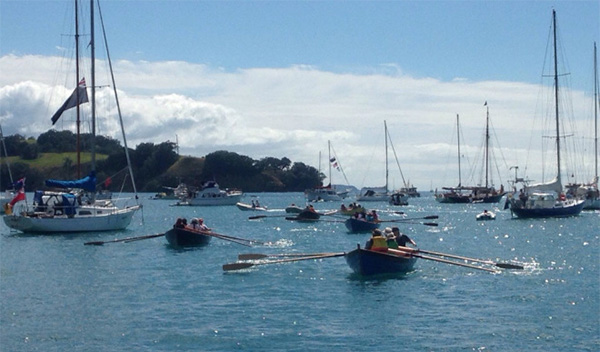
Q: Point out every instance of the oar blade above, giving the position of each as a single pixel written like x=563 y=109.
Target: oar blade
x=257 y=217
x=430 y=224
x=509 y=266
x=430 y=217
x=94 y=243
x=236 y=266
x=252 y=256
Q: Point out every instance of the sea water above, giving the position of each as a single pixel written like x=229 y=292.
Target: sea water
x=57 y=294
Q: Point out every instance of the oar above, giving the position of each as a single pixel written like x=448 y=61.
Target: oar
x=421 y=223
x=287 y=216
x=414 y=254
x=429 y=217
x=238 y=240
x=128 y=239
x=238 y=266
x=254 y=256
x=266 y=216
x=500 y=265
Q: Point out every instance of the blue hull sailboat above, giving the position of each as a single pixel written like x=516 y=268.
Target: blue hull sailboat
x=546 y=200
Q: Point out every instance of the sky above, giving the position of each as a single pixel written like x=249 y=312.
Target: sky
x=282 y=78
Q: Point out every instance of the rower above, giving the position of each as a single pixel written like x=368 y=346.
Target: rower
x=377 y=242
x=401 y=238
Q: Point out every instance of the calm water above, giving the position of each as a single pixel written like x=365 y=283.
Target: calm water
x=58 y=295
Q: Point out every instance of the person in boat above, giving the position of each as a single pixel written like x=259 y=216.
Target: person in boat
x=180 y=223
x=390 y=238
x=522 y=196
x=372 y=216
x=402 y=239
x=310 y=208
x=377 y=242
x=201 y=226
x=343 y=208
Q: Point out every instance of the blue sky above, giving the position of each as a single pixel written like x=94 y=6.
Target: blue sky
x=280 y=78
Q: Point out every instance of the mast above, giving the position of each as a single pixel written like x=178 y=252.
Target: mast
x=487 y=143
x=6 y=155
x=386 y=156
x=78 y=120
x=458 y=138
x=93 y=57
x=558 y=177
x=596 y=102
x=329 y=159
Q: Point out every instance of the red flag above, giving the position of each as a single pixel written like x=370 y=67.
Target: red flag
x=19 y=197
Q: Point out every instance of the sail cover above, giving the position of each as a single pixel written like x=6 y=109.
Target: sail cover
x=552 y=186
x=87 y=183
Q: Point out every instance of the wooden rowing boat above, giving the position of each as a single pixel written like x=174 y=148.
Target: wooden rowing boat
x=367 y=262
x=355 y=225
x=305 y=215
x=186 y=237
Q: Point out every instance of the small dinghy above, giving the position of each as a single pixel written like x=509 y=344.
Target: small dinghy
x=486 y=215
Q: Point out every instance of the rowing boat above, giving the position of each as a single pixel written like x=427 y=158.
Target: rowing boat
x=305 y=215
x=186 y=237
x=367 y=262
x=355 y=225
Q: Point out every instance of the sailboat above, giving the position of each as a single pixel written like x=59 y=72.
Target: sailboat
x=547 y=199
x=590 y=191
x=487 y=193
x=369 y=194
x=68 y=210
x=326 y=193
x=455 y=194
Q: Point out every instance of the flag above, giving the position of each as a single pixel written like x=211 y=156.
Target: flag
x=19 y=197
x=19 y=185
x=107 y=182
x=80 y=92
x=334 y=163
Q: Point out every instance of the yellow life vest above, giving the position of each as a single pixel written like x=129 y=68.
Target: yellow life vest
x=379 y=244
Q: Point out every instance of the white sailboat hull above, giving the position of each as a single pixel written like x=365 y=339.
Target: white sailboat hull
x=326 y=195
x=109 y=219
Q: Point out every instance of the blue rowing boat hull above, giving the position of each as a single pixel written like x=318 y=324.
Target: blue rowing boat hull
x=366 y=262
x=186 y=238
x=357 y=226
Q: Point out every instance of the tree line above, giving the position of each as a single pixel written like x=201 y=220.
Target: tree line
x=154 y=165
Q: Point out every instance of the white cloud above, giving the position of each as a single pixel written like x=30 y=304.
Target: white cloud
x=290 y=112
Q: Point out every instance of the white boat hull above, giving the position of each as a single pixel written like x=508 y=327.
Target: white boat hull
x=38 y=223
x=324 y=195
x=229 y=199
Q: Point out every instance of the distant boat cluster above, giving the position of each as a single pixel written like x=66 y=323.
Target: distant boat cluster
x=76 y=205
